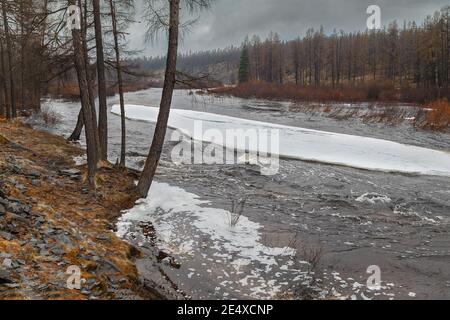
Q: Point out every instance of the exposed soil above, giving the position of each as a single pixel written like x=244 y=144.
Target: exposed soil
x=50 y=221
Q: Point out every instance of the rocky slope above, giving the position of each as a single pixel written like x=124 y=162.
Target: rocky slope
x=51 y=224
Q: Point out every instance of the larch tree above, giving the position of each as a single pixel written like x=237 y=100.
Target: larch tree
x=118 y=66
x=165 y=17
x=9 y=55
x=101 y=83
x=79 y=55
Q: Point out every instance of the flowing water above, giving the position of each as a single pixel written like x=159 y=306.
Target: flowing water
x=311 y=231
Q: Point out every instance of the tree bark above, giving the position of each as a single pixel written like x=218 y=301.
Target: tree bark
x=89 y=76
x=101 y=78
x=6 y=110
x=154 y=156
x=80 y=66
x=120 y=84
x=12 y=87
x=76 y=134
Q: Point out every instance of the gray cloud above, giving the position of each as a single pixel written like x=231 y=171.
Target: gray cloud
x=230 y=21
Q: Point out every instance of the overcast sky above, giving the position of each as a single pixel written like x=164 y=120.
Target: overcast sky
x=228 y=22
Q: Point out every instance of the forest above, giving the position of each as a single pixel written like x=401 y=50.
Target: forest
x=406 y=62
x=310 y=168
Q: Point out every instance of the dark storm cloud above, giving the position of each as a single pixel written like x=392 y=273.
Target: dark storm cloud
x=230 y=21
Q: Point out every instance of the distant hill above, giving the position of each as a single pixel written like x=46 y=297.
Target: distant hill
x=221 y=64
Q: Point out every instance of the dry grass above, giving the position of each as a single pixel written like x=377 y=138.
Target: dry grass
x=369 y=92
x=237 y=210
x=269 y=91
x=49 y=116
x=438 y=118
x=69 y=90
x=83 y=216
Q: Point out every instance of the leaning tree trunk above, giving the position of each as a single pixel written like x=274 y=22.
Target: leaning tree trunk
x=76 y=134
x=154 y=156
x=80 y=66
x=12 y=86
x=101 y=78
x=120 y=83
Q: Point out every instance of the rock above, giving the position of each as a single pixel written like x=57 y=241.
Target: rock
x=108 y=267
x=33 y=174
x=49 y=231
x=64 y=239
x=16 y=217
x=5 y=235
x=18 y=208
x=103 y=237
x=58 y=251
x=40 y=220
x=17 y=169
x=5 y=277
x=36 y=183
x=70 y=173
x=167 y=261
x=21 y=187
x=9 y=264
x=2 y=209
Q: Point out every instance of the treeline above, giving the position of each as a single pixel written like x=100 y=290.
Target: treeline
x=220 y=64
x=48 y=41
x=408 y=56
x=29 y=53
x=44 y=40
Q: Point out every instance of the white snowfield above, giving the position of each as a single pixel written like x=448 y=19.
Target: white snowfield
x=308 y=145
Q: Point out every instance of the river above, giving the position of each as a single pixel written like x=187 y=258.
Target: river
x=311 y=231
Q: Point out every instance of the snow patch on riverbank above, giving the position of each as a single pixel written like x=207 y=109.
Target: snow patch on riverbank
x=188 y=228
x=310 y=145
x=166 y=204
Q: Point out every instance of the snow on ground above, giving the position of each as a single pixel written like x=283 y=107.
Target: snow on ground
x=305 y=144
x=171 y=210
x=242 y=239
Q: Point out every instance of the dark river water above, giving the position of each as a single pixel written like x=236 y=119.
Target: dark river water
x=309 y=232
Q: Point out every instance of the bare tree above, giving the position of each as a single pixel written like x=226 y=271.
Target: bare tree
x=82 y=73
x=101 y=79
x=154 y=156
x=12 y=86
x=156 y=23
x=118 y=66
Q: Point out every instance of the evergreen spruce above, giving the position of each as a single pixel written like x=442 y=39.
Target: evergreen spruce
x=244 y=66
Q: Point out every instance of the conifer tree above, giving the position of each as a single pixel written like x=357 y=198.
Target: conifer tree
x=244 y=66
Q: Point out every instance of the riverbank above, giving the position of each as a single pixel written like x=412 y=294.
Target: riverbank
x=382 y=103
x=51 y=224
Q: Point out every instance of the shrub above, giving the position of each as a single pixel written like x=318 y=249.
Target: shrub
x=438 y=118
x=49 y=116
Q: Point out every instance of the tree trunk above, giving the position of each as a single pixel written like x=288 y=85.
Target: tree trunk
x=6 y=110
x=154 y=156
x=89 y=76
x=80 y=66
x=120 y=83
x=12 y=87
x=76 y=134
x=101 y=78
